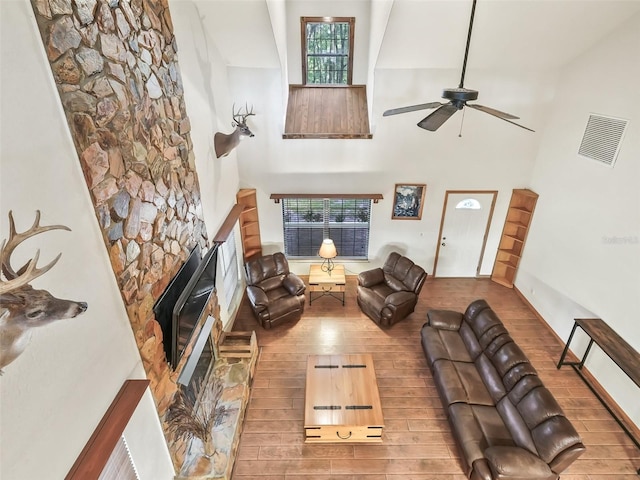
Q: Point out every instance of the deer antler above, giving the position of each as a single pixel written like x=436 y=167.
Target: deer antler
x=238 y=115
x=28 y=271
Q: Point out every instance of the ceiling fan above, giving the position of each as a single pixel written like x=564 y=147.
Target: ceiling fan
x=458 y=98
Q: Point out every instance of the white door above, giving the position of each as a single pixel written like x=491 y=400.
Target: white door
x=463 y=232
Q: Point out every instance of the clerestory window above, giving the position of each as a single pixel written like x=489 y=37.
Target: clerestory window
x=307 y=221
x=327 y=50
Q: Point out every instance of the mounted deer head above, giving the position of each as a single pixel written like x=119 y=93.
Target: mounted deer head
x=22 y=307
x=224 y=143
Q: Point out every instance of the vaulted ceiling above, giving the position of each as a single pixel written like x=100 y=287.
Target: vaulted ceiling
x=424 y=34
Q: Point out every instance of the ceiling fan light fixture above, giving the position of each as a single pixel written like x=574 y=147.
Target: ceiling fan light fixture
x=458 y=98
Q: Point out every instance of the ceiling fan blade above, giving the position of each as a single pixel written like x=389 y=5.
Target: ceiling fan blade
x=433 y=121
x=500 y=117
x=492 y=111
x=412 y=108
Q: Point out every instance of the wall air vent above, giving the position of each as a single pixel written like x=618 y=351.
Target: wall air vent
x=602 y=138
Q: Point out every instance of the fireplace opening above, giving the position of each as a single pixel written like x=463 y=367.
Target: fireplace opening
x=179 y=311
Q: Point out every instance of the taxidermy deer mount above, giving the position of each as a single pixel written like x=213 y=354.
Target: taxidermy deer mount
x=22 y=307
x=224 y=143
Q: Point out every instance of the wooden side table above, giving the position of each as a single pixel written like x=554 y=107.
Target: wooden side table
x=324 y=284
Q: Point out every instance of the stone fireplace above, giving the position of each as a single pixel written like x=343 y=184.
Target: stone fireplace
x=116 y=70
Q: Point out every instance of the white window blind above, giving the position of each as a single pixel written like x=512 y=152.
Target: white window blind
x=120 y=464
x=230 y=269
x=308 y=221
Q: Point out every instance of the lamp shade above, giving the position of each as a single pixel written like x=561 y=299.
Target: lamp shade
x=327 y=249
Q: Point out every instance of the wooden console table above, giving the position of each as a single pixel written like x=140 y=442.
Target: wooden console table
x=616 y=348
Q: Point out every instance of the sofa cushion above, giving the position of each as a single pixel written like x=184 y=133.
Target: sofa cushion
x=395 y=284
x=491 y=378
x=271 y=283
x=470 y=340
x=494 y=338
x=507 y=356
x=517 y=426
x=476 y=428
x=474 y=309
x=467 y=432
x=555 y=438
x=483 y=321
x=460 y=382
x=516 y=463
x=538 y=406
x=443 y=344
x=267 y=266
x=281 y=302
x=402 y=274
x=444 y=319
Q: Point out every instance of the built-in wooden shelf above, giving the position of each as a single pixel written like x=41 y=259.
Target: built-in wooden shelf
x=249 y=223
x=514 y=236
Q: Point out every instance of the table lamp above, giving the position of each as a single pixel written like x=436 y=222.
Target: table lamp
x=328 y=252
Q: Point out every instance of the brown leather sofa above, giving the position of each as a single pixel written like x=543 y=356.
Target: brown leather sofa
x=276 y=295
x=506 y=423
x=389 y=294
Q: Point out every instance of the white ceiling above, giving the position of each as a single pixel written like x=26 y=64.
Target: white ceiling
x=524 y=34
x=428 y=34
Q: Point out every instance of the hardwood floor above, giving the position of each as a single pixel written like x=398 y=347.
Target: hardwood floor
x=417 y=442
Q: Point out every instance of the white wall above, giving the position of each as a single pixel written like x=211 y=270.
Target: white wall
x=582 y=257
x=53 y=396
x=490 y=155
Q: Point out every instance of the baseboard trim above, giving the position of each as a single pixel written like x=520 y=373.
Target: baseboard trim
x=611 y=403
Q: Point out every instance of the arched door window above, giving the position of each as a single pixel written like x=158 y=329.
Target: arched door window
x=468 y=204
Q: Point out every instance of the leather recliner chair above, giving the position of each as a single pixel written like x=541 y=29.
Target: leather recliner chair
x=389 y=294
x=276 y=295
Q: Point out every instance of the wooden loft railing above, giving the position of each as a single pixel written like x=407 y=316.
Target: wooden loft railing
x=228 y=224
x=96 y=453
x=327 y=112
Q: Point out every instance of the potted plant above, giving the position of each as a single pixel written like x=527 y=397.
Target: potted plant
x=187 y=418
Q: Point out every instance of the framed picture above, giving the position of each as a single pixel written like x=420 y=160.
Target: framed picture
x=408 y=200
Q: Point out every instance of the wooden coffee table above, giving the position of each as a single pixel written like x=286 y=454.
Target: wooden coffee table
x=324 y=284
x=342 y=403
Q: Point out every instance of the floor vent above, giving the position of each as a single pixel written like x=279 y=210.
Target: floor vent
x=602 y=138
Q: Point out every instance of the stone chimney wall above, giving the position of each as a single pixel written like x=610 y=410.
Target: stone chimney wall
x=116 y=70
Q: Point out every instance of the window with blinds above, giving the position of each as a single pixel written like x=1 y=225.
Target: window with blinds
x=230 y=269
x=308 y=221
x=120 y=465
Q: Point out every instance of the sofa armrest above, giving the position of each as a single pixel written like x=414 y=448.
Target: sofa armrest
x=294 y=284
x=516 y=462
x=371 y=277
x=444 y=319
x=258 y=298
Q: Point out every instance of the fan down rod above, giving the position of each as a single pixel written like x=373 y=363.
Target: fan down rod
x=466 y=50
